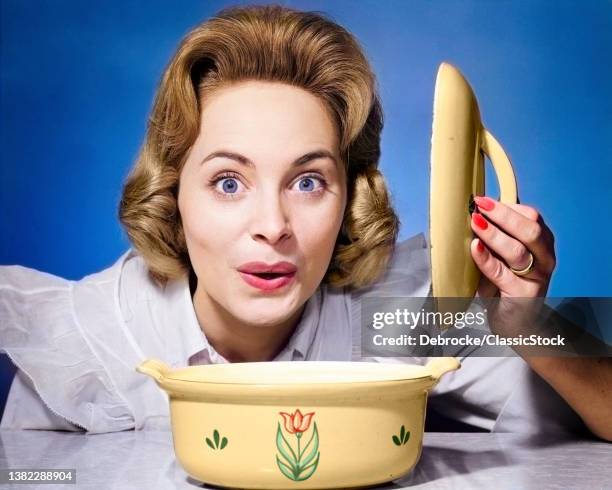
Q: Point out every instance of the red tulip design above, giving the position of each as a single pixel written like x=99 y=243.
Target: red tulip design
x=297 y=423
x=300 y=464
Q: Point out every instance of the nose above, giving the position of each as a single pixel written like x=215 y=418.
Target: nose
x=269 y=220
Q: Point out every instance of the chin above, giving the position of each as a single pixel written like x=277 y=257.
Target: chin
x=266 y=312
x=264 y=321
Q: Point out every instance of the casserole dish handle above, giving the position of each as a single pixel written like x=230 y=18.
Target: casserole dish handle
x=502 y=166
x=438 y=366
x=154 y=368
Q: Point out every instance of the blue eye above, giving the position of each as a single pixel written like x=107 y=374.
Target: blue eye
x=308 y=183
x=229 y=185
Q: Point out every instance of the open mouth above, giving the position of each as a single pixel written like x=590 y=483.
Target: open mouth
x=267 y=280
x=269 y=275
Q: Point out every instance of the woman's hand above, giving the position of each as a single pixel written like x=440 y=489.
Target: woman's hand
x=507 y=235
x=506 y=238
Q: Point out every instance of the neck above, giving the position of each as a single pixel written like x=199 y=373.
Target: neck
x=239 y=341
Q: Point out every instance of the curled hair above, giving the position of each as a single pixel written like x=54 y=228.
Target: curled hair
x=277 y=44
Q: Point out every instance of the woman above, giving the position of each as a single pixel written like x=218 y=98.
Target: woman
x=259 y=220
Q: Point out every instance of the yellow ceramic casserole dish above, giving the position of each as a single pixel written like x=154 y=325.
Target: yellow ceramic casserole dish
x=302 y=424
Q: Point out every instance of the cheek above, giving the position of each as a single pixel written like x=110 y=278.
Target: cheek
x=199 y=217
x=316 y=234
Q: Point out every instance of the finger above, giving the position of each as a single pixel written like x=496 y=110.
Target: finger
x=493 y=268
x=547 y=260
x=523 y=223
x=513 y=252
x=534 y=215
x=527 y=211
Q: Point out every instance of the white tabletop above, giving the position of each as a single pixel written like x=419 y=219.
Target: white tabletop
x=145 y=460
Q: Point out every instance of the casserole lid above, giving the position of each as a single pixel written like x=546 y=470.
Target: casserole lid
x=458 y=145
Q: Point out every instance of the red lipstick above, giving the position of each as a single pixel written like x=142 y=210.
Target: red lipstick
x=268 y=277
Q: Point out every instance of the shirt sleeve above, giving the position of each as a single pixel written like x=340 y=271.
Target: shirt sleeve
x=49 y=328
x=25 y=410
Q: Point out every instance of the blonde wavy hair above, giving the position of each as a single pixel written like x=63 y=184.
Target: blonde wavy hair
x=277 y=44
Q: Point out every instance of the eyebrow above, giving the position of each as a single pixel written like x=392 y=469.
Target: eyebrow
x=311 y=155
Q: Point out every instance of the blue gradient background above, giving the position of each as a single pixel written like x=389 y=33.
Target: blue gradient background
x=78 y=80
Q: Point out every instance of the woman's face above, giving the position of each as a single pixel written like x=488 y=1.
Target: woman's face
x=262 y=183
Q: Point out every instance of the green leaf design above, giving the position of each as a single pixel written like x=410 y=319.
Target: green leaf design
x=305 y=448
x=218 y=442
x=286 y=470
x=309 y=470
x=281 y=443
x=406 y=437
x=315 y=448
x=298 y=467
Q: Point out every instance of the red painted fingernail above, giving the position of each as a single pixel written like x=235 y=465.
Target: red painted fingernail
x=479 y=221
x=484 y=203
x=480 y=246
